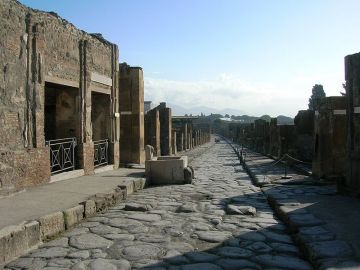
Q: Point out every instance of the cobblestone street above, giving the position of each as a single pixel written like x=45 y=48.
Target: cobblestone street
x=222 y=221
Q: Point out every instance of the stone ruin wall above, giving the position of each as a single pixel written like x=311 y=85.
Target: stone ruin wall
x=38 y=47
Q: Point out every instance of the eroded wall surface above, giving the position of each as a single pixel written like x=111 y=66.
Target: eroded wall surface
x=40 y=48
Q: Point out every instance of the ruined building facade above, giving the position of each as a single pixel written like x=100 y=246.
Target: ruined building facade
x=60 y=99
x=352 y=77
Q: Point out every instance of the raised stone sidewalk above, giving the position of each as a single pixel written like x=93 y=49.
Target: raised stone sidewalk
x=325 y=225
x=30 y=217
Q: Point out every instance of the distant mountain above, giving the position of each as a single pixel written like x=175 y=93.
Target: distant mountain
x=284 y=120
x=198 y=110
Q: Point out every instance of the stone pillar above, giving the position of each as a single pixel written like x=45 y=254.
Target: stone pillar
x=152 y=130
x=84 y=133
x=185 y=137
x=180 y=141
x=174 y=143
x=132 y=114
x=352 y=77
x=114 y=145
x=165 y=131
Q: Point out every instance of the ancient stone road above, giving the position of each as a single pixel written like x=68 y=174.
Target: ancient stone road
x=220 y=222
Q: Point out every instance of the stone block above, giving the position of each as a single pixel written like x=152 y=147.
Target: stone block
x=17 y=240
x=127 y=186
x=73 y=216
x=12 y=243
x=118 y=195
x=89 y=208
x=139 y=184
x=51 y=225
x=166 y=170
x=33 y=235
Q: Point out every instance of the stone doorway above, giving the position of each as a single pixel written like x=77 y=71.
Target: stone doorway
x=61 y=126
x=101 y=127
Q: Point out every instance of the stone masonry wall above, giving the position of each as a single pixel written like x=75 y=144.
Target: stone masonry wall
x=38 y=48
x=352 y=77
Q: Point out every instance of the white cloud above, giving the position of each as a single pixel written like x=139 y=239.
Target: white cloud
x=228 y=91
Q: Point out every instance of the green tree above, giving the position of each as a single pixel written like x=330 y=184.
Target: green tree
x=317 y=94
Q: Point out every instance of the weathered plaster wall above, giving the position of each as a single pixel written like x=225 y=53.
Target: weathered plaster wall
x=330 y=139
x=38 y=47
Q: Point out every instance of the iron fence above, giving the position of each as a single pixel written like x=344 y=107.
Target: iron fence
x=62 y=154
x=101 y=156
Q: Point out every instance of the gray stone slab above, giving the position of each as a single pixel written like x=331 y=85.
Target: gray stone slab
x=89 y=241
x=286 y=262
x=329 y=249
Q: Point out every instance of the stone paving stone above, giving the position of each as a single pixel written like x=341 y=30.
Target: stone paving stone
x=214 y=236
x=180 y=227
x=283 y=262
x=89 y=241
x=329 y=249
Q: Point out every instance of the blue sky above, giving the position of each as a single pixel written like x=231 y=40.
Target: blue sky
x=259 y=56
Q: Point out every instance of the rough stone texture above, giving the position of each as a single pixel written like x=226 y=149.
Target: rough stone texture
x=51 y=225
x=352 y=183
x=89 y=241
x=329 y=249
x=330 y=139
x=89 y=208
x=165 y=238
x=131 y=87
x=41 y=51
x=152 y=130
x=73 y=216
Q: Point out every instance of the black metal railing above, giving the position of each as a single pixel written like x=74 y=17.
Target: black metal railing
x=62 y=154
x=101 y=150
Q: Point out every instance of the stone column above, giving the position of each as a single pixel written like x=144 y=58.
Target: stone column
x=165 y=131
x=174 y=143
x=132 y=114
x=152 y=130
x=185 y=137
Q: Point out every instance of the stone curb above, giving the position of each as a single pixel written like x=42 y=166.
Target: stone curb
x=17 y=240
x=318 y=244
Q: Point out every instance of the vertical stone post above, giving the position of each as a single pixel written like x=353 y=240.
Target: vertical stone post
x=152 y=130
x=114 y=145
x=85 y=145
x=174 y=143
x=185 y=136
x=180 y=141
x=132 y=115
x=165 y=131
